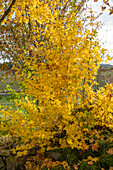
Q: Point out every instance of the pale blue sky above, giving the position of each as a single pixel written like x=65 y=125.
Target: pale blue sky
x=105 y=34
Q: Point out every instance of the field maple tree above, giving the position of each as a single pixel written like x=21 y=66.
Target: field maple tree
x=57 y=63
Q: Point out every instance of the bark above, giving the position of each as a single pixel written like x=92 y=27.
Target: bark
x=7 y=11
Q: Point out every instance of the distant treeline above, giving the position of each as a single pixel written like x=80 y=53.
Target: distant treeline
x=9 y=65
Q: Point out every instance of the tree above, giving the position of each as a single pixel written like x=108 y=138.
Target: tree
x=62 y=83
x=7 y=6
x=7 y=11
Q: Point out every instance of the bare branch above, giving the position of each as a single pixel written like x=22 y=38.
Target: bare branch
x=7 y=11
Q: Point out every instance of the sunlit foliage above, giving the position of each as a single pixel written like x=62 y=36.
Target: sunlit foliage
x=57 y=64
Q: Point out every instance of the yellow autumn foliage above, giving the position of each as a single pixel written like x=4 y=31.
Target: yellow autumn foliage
x=59 y=74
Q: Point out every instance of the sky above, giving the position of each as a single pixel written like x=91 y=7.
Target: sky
x=105 y=34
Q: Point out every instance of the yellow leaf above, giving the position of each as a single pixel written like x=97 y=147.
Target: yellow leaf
x=90 y=162
x=110 y=151
x=95 y=159
x=85 y=146
x=106 y=61
x=75 y=166
x=94 y=147
x=103 y=8
x=111 y=168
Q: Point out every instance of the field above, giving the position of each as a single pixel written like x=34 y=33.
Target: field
x=7 y=80
x=4 y=81
x=105 y=75
x=4 y=100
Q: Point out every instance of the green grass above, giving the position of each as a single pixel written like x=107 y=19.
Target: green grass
x=4 y=101
x=8 y=80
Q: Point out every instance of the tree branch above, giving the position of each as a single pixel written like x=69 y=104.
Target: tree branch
x=7 y=11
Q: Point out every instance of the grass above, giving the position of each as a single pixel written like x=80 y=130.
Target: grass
x=4 y=81
x=4 y=101
x=8 y=79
